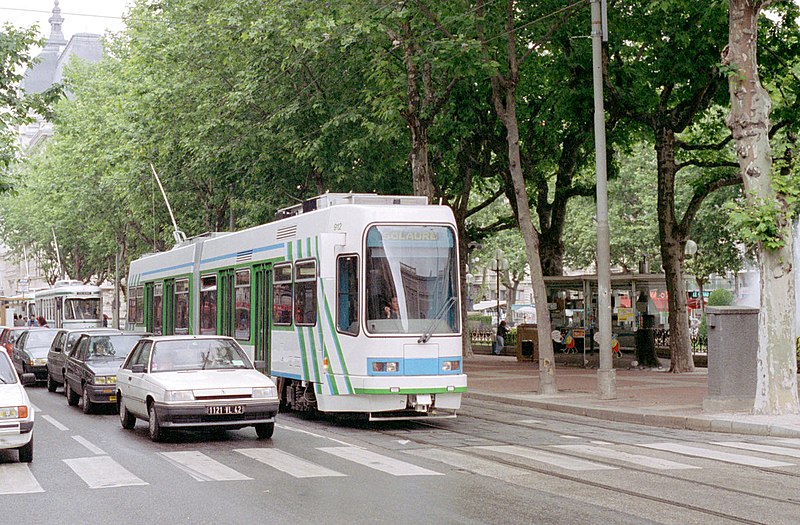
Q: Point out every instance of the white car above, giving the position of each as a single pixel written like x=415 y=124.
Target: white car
x=16 y=411
x=185 y=382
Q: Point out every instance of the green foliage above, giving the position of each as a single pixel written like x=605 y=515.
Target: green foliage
x=720 y=297
x=759 y=222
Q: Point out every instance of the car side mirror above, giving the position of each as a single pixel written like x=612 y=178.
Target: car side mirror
x=28 y=379
x=138 y=369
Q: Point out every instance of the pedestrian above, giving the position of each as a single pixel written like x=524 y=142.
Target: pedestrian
x=31 y=321
x=500 y=339
x=42 y=322
x=105 y=320
x=19 y=320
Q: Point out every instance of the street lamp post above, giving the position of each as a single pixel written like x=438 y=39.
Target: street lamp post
x=499 y=264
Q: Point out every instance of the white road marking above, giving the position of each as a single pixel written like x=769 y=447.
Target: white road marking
x=530 y=421
x=570 y=437
x=557 y=460
x=288 y=463
x=707 y=453
x=767 y=449
x=606 y=443
x=35 y=408
x=17 y=478
x=471 y=463
x=102 y=472
x=789 y=441
x=55 y=423
x=306 y=432
x=376 y=461
x=92 y=448
x=202 y=467
x=636 y=459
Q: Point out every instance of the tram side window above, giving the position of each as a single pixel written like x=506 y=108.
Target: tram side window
x=208 y=304
x=182 y=306
x=132 y=304
x=158 y=308
x=140 y=305
x=347 y=294
x=282 y=295
x=305 y=293
x=242 y=319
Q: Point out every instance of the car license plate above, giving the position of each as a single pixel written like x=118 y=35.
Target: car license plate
x=221 y=410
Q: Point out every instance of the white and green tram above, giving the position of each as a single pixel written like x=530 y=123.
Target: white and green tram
x=349 y=301
x=70 y=304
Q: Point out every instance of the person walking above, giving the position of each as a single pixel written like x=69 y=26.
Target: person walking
x=42 y=322
x=500 y=339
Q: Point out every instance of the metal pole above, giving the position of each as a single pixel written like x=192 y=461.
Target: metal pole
x=115 y=310
x=606 y=375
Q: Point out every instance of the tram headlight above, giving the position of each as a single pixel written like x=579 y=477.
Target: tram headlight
x=385 y=366
x=451 y=366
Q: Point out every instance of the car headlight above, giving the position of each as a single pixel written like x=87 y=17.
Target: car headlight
x=41 y=361
x=105 y=380
x=265 y=392
x=19 y=412
x=179 y=395
x=449 y=366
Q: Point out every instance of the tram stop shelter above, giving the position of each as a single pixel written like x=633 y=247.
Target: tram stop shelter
x=572 y=302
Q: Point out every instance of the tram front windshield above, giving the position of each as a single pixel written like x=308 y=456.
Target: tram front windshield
x=411 y=285
x=82 y=309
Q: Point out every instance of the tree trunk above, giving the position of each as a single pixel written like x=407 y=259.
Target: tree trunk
x=420 y=165
x=776 y=391
x=672 y=243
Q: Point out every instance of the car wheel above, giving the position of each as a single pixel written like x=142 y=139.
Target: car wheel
x=72 y=397
x=87 y=403
x=156 y=432
x=26 y=452
x=265 y=430
x=51 y=383
x=126 y=419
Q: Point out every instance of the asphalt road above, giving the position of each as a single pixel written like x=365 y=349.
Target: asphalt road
x=494 y=464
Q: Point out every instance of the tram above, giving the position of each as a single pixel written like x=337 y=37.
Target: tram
x=350 y=302
x=70 y=304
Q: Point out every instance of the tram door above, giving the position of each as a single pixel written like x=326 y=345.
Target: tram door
x=59 y=320
x=149 y=318
x=169 y=306
x=261 y=316
x=225 y=301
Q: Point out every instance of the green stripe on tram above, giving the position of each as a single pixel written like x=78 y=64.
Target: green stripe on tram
x=335 y=337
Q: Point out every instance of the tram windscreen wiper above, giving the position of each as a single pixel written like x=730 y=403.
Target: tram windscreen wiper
x=438 y=317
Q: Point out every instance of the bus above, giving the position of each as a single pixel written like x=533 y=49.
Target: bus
x=70 y=304
x=350 y=302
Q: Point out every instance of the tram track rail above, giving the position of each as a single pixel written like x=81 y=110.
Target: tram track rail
x=476 y=452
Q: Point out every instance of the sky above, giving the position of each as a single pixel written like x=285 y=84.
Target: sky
x=80 y=16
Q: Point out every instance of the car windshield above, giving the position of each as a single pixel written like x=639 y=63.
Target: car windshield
x=198 y=354
x=40 y=338
x=7 y=375
x=111 y=346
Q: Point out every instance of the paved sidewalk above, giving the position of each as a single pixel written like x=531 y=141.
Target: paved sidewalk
x=644 y=396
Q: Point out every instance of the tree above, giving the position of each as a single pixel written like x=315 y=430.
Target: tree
x=770 y=212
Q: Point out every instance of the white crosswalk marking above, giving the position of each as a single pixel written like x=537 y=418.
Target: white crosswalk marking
x=549 y=458
x=767 y=449
x=636 y=459
x=101 y=472
x=288 y=463
x=790 y=441
x=471 y=463
x=530 y=421
x=202 y=467
x=707 y=453
x=17 y=478
x=378 y=462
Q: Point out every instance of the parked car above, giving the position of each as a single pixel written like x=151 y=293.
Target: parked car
x=30 y=352
x=16 y=411
x=57 y=356
x=9 y=336
x=188 y=382
x=91 y=368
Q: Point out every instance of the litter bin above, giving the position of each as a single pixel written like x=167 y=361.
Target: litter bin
x=527 y=342
x=732 y=365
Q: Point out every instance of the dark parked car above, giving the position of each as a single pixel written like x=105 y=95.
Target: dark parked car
x=62 y=344
x=30 y=352
x=92 y=365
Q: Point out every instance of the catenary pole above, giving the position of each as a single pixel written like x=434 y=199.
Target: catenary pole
x=606 y=375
